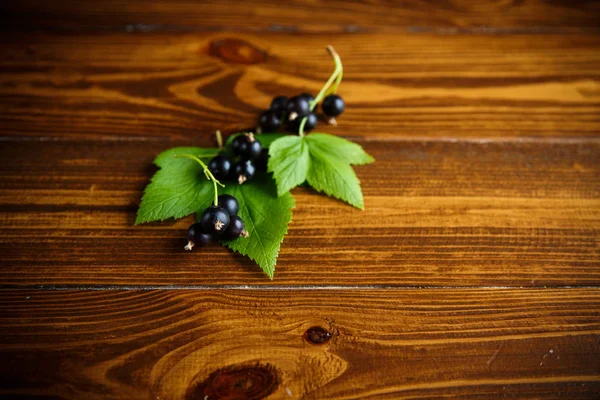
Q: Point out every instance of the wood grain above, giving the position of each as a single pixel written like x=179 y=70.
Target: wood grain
x=437 y=213
x=396 y=86
x=311 y=345
x=496 y=16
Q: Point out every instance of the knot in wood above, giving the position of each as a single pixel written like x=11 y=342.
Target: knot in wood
x=236 y=51
x=249 y=382
x=317 y=335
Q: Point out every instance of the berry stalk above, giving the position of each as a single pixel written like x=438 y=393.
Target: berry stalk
x=207 y=173
x=330 y=86
x=335 y=76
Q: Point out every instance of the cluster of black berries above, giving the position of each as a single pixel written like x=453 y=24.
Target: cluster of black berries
x=250 y=156
x=220 y=222
x=289 y=113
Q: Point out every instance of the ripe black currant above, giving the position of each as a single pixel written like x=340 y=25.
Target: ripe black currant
x=297 y=107
x=307 y=96
x=261 y=162
x=246 y=146
x=269 y=121
x=311 y=123
x=196 y=237
x=229 y=203
x=333 y=105
x=243 y=171
x=214 y=220
x=235 y=229
x=278 y=104
x=220 y=167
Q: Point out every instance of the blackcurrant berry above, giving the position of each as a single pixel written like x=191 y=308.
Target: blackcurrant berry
x=235 y=229
x=243 y=171
x=246 y=146
x=307 y=96
x=297 y=107
x=229 y=203
x=261 y=162
x=278 y=104
x=196 y=237
x=220 y=167
x=214 y=220
x=269 y=121
x=333 y=105
x=311 y=123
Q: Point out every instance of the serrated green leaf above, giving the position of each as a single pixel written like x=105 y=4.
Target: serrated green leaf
x=334 y=177
x=289 y=161
x=341 y=148
x=178 y=189
x=266 y=218
x=322 y=160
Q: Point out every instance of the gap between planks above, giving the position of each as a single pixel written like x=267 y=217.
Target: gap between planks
x=411 y=139
x=281 y=287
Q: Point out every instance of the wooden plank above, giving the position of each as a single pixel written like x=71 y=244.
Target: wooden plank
x=437 y=213
x=396 y=86
x=299 y=16
x=341 y=344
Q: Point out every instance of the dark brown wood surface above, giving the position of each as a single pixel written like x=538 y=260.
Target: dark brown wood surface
x=473 y=272
x=314 y=344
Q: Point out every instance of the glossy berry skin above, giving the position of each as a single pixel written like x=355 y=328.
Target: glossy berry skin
x=196 y=237
x=220 y=167
x=235 y=229
x=333 y=105
x=269 y=121
x=243 y=171
x=278 y=104
x=311 y=123
x=297 y=106
x=307 y=96
x=214 y=220
x=246 y=146
x=261 y=162
x=230 y=204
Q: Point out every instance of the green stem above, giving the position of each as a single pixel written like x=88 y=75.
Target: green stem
x=219 y=139
x=335 y=76
x=207 y=173
x=301 y=129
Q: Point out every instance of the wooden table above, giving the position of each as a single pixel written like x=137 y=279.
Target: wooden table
x=474 y=270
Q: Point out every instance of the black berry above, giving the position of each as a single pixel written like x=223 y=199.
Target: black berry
x=220 y=167
x=261 y=162
x=230 y=204
x=243 y=171
x=278 y=104
x=311 y=123
x=196 y=237
x=333 y=105
x=309 y=97
x=235 y=229
x=269 y=121
x=297 y=107
x=246 y=146
x=214 y=220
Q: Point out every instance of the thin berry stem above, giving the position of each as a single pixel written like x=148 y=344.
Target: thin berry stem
x=335 y=76
x=301 y=129
x=219 y=139
x=207 y=173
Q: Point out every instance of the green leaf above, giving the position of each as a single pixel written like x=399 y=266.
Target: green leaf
x=289 y=161
x=322 y=160
x=341 y=148
x=266 y=218
x=334 y=177
x=179 y=188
